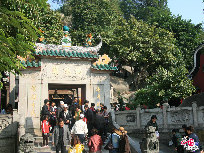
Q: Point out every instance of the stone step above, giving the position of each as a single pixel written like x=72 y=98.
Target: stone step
x=44 y=149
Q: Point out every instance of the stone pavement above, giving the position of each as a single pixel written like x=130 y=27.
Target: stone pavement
x=162 y=148
x=50 y=148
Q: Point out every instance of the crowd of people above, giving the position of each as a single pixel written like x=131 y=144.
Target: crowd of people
x=73 y=126
x=188 y=134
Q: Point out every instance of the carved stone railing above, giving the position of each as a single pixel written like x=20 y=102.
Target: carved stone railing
x=8 y=132
x=5 y=121
x=150 y=143
x=167 y=118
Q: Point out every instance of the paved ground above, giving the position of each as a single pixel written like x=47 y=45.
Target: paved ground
x=162 y=148
x=51 y=149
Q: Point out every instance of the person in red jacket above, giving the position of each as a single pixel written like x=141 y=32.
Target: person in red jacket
x=95 y=142
x=45 y=130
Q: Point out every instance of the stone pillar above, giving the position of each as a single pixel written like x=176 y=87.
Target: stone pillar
x=138 y=116
x=12 y=89
x=21 y=128
x=7 y=95
x=195 y=115
x=165 y=107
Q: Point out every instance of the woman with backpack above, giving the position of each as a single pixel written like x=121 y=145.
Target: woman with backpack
x=113 y=142
x=95 y=142
x=124 y=142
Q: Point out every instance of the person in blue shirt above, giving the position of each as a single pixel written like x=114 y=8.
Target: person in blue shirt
x=115 y=141
x=192 y=135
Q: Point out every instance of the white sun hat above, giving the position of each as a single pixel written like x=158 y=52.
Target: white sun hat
x=81 y=115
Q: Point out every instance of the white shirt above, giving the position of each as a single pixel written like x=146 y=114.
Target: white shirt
x=65 y=113
x=79 y=127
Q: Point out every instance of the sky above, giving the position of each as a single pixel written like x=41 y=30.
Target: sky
x=188 y=9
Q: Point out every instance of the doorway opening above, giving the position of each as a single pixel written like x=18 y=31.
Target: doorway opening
x=67 y=93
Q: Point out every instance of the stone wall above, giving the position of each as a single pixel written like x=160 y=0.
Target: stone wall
x=8 y=133
x=134 y=121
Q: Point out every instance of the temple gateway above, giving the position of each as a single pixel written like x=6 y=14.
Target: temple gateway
x=61 y=73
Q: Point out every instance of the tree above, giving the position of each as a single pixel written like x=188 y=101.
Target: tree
x=41 y=16
x=144 y=47
x=143 y=9
x=17 y=35
x=188 y=35
x=164 y=86
x=96 y=17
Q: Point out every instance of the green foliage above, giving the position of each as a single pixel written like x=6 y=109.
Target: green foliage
x=96 y=17
x=165 y=86
x=145 y=47
x=188 y=36
x=41 y=17
x=121 y=102
x=17 y=34
x=143 y=9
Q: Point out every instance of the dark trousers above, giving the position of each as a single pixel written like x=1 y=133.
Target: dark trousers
x=101 y=133
x=60 y=146
x=90 y=127
x=180 y=149
x=106 y=129
x=53 y=122
x=81 y=138
x=45 y=138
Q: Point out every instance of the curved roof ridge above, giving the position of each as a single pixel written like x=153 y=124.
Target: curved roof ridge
x=40 y=47
x=196 y=59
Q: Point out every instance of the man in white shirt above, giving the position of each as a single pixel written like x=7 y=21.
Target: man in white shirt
x=80 y=129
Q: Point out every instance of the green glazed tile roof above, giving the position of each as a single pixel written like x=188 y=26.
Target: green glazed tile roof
x=31 y=64
x=63 y=53
x=104 y=67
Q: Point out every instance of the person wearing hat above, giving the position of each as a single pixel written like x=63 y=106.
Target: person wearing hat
x=60 y=109
x=65 y=115
x=80 y=129
x=114 y=138
x=45 y=109
x=124 y=145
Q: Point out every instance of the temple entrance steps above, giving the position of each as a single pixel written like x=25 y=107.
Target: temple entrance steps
x=50 y=149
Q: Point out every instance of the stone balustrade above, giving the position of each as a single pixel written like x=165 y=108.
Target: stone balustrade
x=9 y=132
x=167 y=118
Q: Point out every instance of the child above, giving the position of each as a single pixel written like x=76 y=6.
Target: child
x=45 y=130
x=95 y=142
x=53 y=117
x=76 y=146
x=177 y=138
